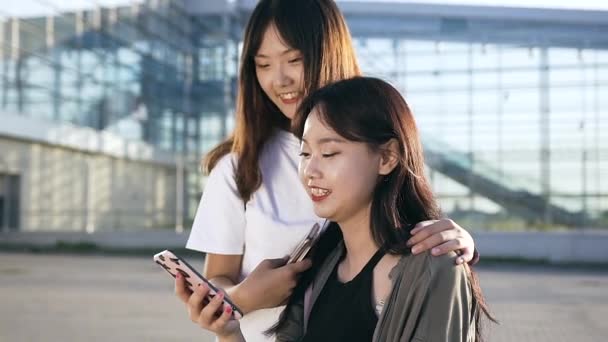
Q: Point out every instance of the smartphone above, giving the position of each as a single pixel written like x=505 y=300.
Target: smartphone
x=305 y=245
x=173 y=264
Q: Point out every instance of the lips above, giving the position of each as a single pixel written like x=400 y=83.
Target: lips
x=289 y=98
x=319 y=194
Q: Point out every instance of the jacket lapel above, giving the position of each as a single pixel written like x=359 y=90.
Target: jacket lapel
x=320 y=279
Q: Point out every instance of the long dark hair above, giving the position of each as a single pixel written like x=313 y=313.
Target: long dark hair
x=314 y=27
x=371 y=111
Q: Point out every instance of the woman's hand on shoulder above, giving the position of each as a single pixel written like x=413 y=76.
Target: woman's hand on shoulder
x=272 y=282
x=211 y=315
x=441 y=237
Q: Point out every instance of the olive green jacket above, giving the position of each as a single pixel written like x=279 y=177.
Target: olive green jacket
x=431 y=300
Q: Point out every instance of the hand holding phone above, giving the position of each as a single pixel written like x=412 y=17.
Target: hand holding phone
x=305 y=245
x=173 y=264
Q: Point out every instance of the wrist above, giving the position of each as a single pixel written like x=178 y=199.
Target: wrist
x=239 y=296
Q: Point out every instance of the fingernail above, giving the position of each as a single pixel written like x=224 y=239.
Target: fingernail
x=178 y=275
x=416 y=249
x=409 y=243
x=228 y=309
x=435 y=251
x=460 y=260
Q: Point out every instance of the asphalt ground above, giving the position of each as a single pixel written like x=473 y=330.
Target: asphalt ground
x=71 y=297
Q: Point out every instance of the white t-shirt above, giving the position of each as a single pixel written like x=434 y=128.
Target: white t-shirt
x=278 y=216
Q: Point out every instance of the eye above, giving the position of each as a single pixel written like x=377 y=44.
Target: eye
x=262 y=66
x=329 y=155
x=295 y=60
x=304 y=154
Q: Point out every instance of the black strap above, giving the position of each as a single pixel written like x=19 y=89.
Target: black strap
x=374 y=260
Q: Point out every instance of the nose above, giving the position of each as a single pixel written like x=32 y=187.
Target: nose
x=280 y=78
x=311 y=169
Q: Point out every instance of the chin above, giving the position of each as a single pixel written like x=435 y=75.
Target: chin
x=290 y=110
x=323 y=213
x=289 y=113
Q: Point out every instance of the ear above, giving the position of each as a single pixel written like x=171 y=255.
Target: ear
x=389 y=157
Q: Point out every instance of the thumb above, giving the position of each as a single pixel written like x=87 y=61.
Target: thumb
x=301 y=266
x=275 y=263
x=466 y=256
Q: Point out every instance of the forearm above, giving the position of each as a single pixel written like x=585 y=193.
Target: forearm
x=222 y=282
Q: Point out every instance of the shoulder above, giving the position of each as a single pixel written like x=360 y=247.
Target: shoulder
x=224 y=170
x=221 y=179
x=427 y=266
x=443 y=263
x=225 y=165
x=280 y=140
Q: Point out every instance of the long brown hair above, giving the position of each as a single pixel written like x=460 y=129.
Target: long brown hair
x=314 y=27
x=371 y=111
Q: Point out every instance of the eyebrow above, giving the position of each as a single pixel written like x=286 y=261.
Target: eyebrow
x=259 y=55
x=326 y=140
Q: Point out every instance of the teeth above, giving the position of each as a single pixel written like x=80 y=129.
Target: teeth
x=319 y=192
x=289 y=96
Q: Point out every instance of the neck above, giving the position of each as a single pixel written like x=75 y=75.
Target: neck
x=360 y=246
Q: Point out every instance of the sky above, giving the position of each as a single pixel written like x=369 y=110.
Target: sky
x=22 y=8
x=566 y=4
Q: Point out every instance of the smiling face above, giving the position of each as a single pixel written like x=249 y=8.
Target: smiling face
x=280 y=72
x=339 y=175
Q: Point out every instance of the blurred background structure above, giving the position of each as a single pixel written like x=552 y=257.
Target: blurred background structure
x=106 y=107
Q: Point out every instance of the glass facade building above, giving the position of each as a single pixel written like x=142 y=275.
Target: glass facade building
x=512 y=103
x=147 y=71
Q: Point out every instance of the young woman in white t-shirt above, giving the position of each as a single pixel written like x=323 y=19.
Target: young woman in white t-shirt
x=254 y=210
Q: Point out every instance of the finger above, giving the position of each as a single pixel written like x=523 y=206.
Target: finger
x=432 y=241
x=426 y=232
x=220 y=322
x=446 y=247
x=421 y=225
x=300 y=266
x=466 y=256
x=208 y=314
x=196 y=303
x=181 y=290
x=274 y=263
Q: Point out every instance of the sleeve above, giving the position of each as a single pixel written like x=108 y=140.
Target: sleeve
x=219 y=224
x=447 y=309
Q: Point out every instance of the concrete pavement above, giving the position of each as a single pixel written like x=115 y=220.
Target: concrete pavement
x=109 y=298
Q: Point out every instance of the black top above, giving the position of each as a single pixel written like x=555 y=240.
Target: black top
x=344 y=311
